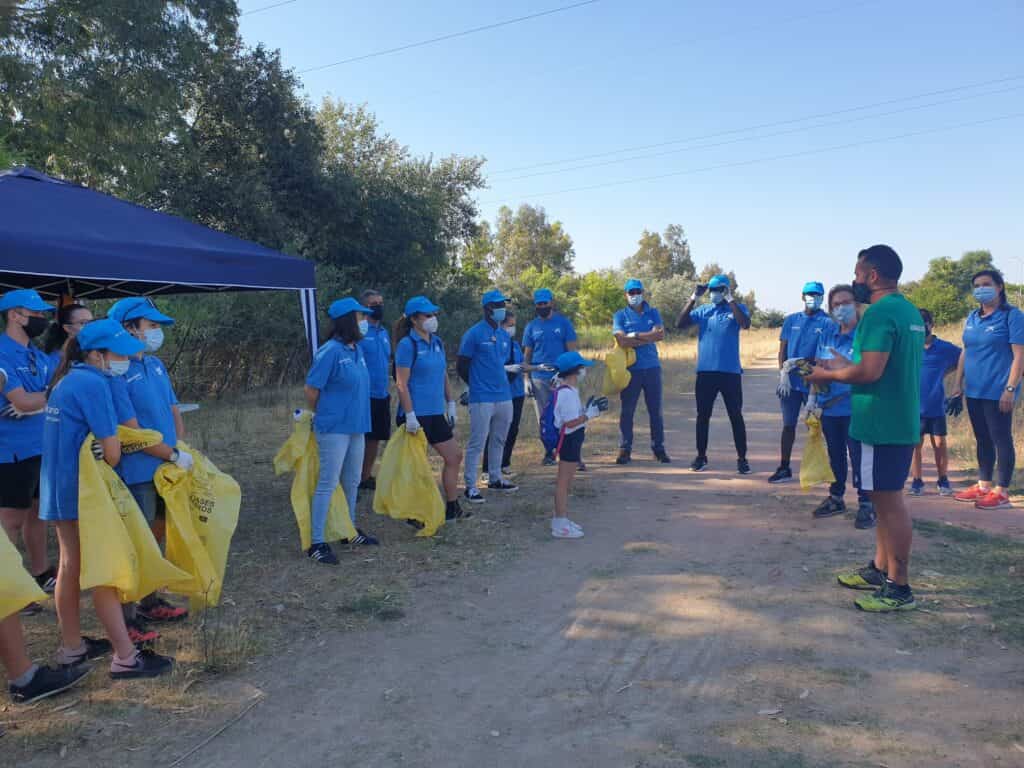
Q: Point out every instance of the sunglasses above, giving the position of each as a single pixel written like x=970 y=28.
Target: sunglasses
x=635 y=292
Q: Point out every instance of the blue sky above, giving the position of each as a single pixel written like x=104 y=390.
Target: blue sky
x=616 y=74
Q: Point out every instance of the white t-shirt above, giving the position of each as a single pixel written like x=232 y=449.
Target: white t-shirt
x=567 y=408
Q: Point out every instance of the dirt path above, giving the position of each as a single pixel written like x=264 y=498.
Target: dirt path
x=698 y=624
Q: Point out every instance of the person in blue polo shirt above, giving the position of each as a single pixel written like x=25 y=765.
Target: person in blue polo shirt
x=69 y=321
x=546 y=337
x=639 y=327
x=146 y=394
x=22 y=400
x=338 y=393
x=940 y=359
x=989 y=374
x=425 y=398
x=799 y=338
x=718 y=364
x=376 y=346
x=483 y=365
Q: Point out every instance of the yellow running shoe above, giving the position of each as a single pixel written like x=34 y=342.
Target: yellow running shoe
x=868 y=577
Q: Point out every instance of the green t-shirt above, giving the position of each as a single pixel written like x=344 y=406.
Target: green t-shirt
x=888 y=411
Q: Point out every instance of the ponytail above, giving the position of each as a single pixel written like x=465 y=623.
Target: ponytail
x=73 y=353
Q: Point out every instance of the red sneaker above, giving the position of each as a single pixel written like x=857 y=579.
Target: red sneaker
x=972 y=494
x=993 y=500
x=139 y=633
x=161 y=611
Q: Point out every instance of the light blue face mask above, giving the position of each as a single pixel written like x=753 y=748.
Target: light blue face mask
x=364 y=326
x=717 y=296
x=844 y=314
x=498 y=315
x=985 y=294
x=812 y=301
x=153 y=339
x=117 y=367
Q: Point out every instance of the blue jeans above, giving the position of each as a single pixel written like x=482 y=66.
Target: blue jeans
x=837 y=437
x=341 y=456
x=647 y=381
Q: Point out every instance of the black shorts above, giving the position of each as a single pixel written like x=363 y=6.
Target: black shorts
x=380 y=418
x=933 y=425
x=19 y=483
x=436 y=428
x=572 y=447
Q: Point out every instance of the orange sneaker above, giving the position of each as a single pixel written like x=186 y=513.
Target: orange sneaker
x=972 y=494
x=993 y=500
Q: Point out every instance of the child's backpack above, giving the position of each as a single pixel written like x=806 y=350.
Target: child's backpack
x=551 y=435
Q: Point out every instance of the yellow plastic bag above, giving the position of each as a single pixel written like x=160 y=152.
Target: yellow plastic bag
x=202 y=514
x=616 y=370
x=117 y=546
x=406 y=489
x=300 y=455
x=17 y=588
x=815 y=467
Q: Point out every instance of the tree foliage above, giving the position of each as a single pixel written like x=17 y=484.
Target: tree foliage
x=945 y=289
x=527 y=238
x=661 y=257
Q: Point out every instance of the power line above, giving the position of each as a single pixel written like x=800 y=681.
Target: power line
x=768 y=159
x=757 y=137
x=773 y=124
x=449 y=36
x=267 y=7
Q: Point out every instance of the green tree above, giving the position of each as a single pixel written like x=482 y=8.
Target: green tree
x=527 y=238
x=659 y=258
x=600 y=295
x=945 y=288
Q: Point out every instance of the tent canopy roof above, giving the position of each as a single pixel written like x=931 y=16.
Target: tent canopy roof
x=59 y=237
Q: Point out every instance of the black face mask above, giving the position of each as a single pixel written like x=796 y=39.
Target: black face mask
x=861 y=293
x=36 y=325
x=544 y=312
x=377 y=312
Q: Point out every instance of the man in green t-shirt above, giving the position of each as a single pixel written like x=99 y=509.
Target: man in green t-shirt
x=886 y=376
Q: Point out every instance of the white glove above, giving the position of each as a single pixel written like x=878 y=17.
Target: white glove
x=632 y=335
x=514 y=368
x=728 y=296
x=529 y=388
x=453 y=413
x=412 y=424
x=785 y=387
x=184 y=461
x=592 y=412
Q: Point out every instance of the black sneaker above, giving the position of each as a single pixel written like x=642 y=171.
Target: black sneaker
x=743 y=466
x=147 y=664
x=94 y=649
x=830 y=507
x=455 y=512
x=868 y=577
x=782 y=475
x=581 y=467
x=662 y=457
x=503 y=485
x=369 y=484
x=47 y=580
x=625 y=457
x=473 y=496
x=322 y=553
x=31 y=609
x=47 y=682
x=699 y=464
x=419 y=526
x=865 y=516
x=549 y=459
x=362 y=539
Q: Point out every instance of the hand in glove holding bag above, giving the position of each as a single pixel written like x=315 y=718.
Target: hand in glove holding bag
x=97 y=450
x=601 y=403
x=183 y=460
x=592 y=412
x=513 y=368
x=452 y=413
x=412 y=424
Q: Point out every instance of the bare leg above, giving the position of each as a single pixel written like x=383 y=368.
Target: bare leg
x=881 y=539
x=895 y=526
x=941 y=454
x=108 y=610
x=451 y=453
x=566 y=472
x=12 y=648
x=369 y=458
x=915 y=464
x=67 y=593
x=13 y=520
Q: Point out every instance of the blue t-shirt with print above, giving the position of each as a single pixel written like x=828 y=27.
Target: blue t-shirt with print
x=802 y=333
x=547 y=338
x=487 y=348
x=427 y=374
x=30 y=369
x=340 y=373
x=988 y=355
x=150 y=396
x=838 y=393
x=628 y=321
x=938 y=359
x=718 y=334
x=376 y=346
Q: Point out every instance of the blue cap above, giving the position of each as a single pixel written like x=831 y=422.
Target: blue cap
x=569 y=360
x=543 y=294
x=108 y=334
x=493 y=297
x=718 y=281
x=633 y=285
x=342 y=307
x=420 y=304
x=813 y=287
x=25 y=298
x=138 y=308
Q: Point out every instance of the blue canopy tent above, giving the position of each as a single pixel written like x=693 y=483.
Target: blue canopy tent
x=64 y=239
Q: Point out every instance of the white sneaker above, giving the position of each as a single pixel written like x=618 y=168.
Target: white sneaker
x=563 y=529
x=575 y=525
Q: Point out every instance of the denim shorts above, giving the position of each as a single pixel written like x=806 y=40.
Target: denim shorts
x=791 y=405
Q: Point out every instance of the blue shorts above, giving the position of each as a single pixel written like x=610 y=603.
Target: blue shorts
x=933 y=425
x=883 y=467
x=791 y=405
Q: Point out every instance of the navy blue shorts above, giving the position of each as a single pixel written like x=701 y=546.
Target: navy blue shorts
x=572 y=447
x=791 y=405
x=933 y=425
x=883 y=467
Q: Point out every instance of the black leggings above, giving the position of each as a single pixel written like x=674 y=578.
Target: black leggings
x=513 y=434
x=993 y=433
x=709 y=384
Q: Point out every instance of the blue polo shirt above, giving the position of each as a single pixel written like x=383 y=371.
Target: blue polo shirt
x=427 y=373
x=27 y=368
x=802 y=332
x=56 y=357
x=516 y=383
x=341 y=375
x=628 y=321
x=487 y=349
x=938 y=359
x=718 y=334
x=547 y=339
x=145 y=392
x=987 y=352
x=79 y=404
x=838 y=393
x=376 y=346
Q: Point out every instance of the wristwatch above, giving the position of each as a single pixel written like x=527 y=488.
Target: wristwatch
x=174 y=455
x=1010 y=389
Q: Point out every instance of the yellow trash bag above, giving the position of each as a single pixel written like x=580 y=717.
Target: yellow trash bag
x=406 y=489
x=616 y=370
x=202 y=514
x=17 y=588
x=117 y=546
x=300 y=455
x=815 y=467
